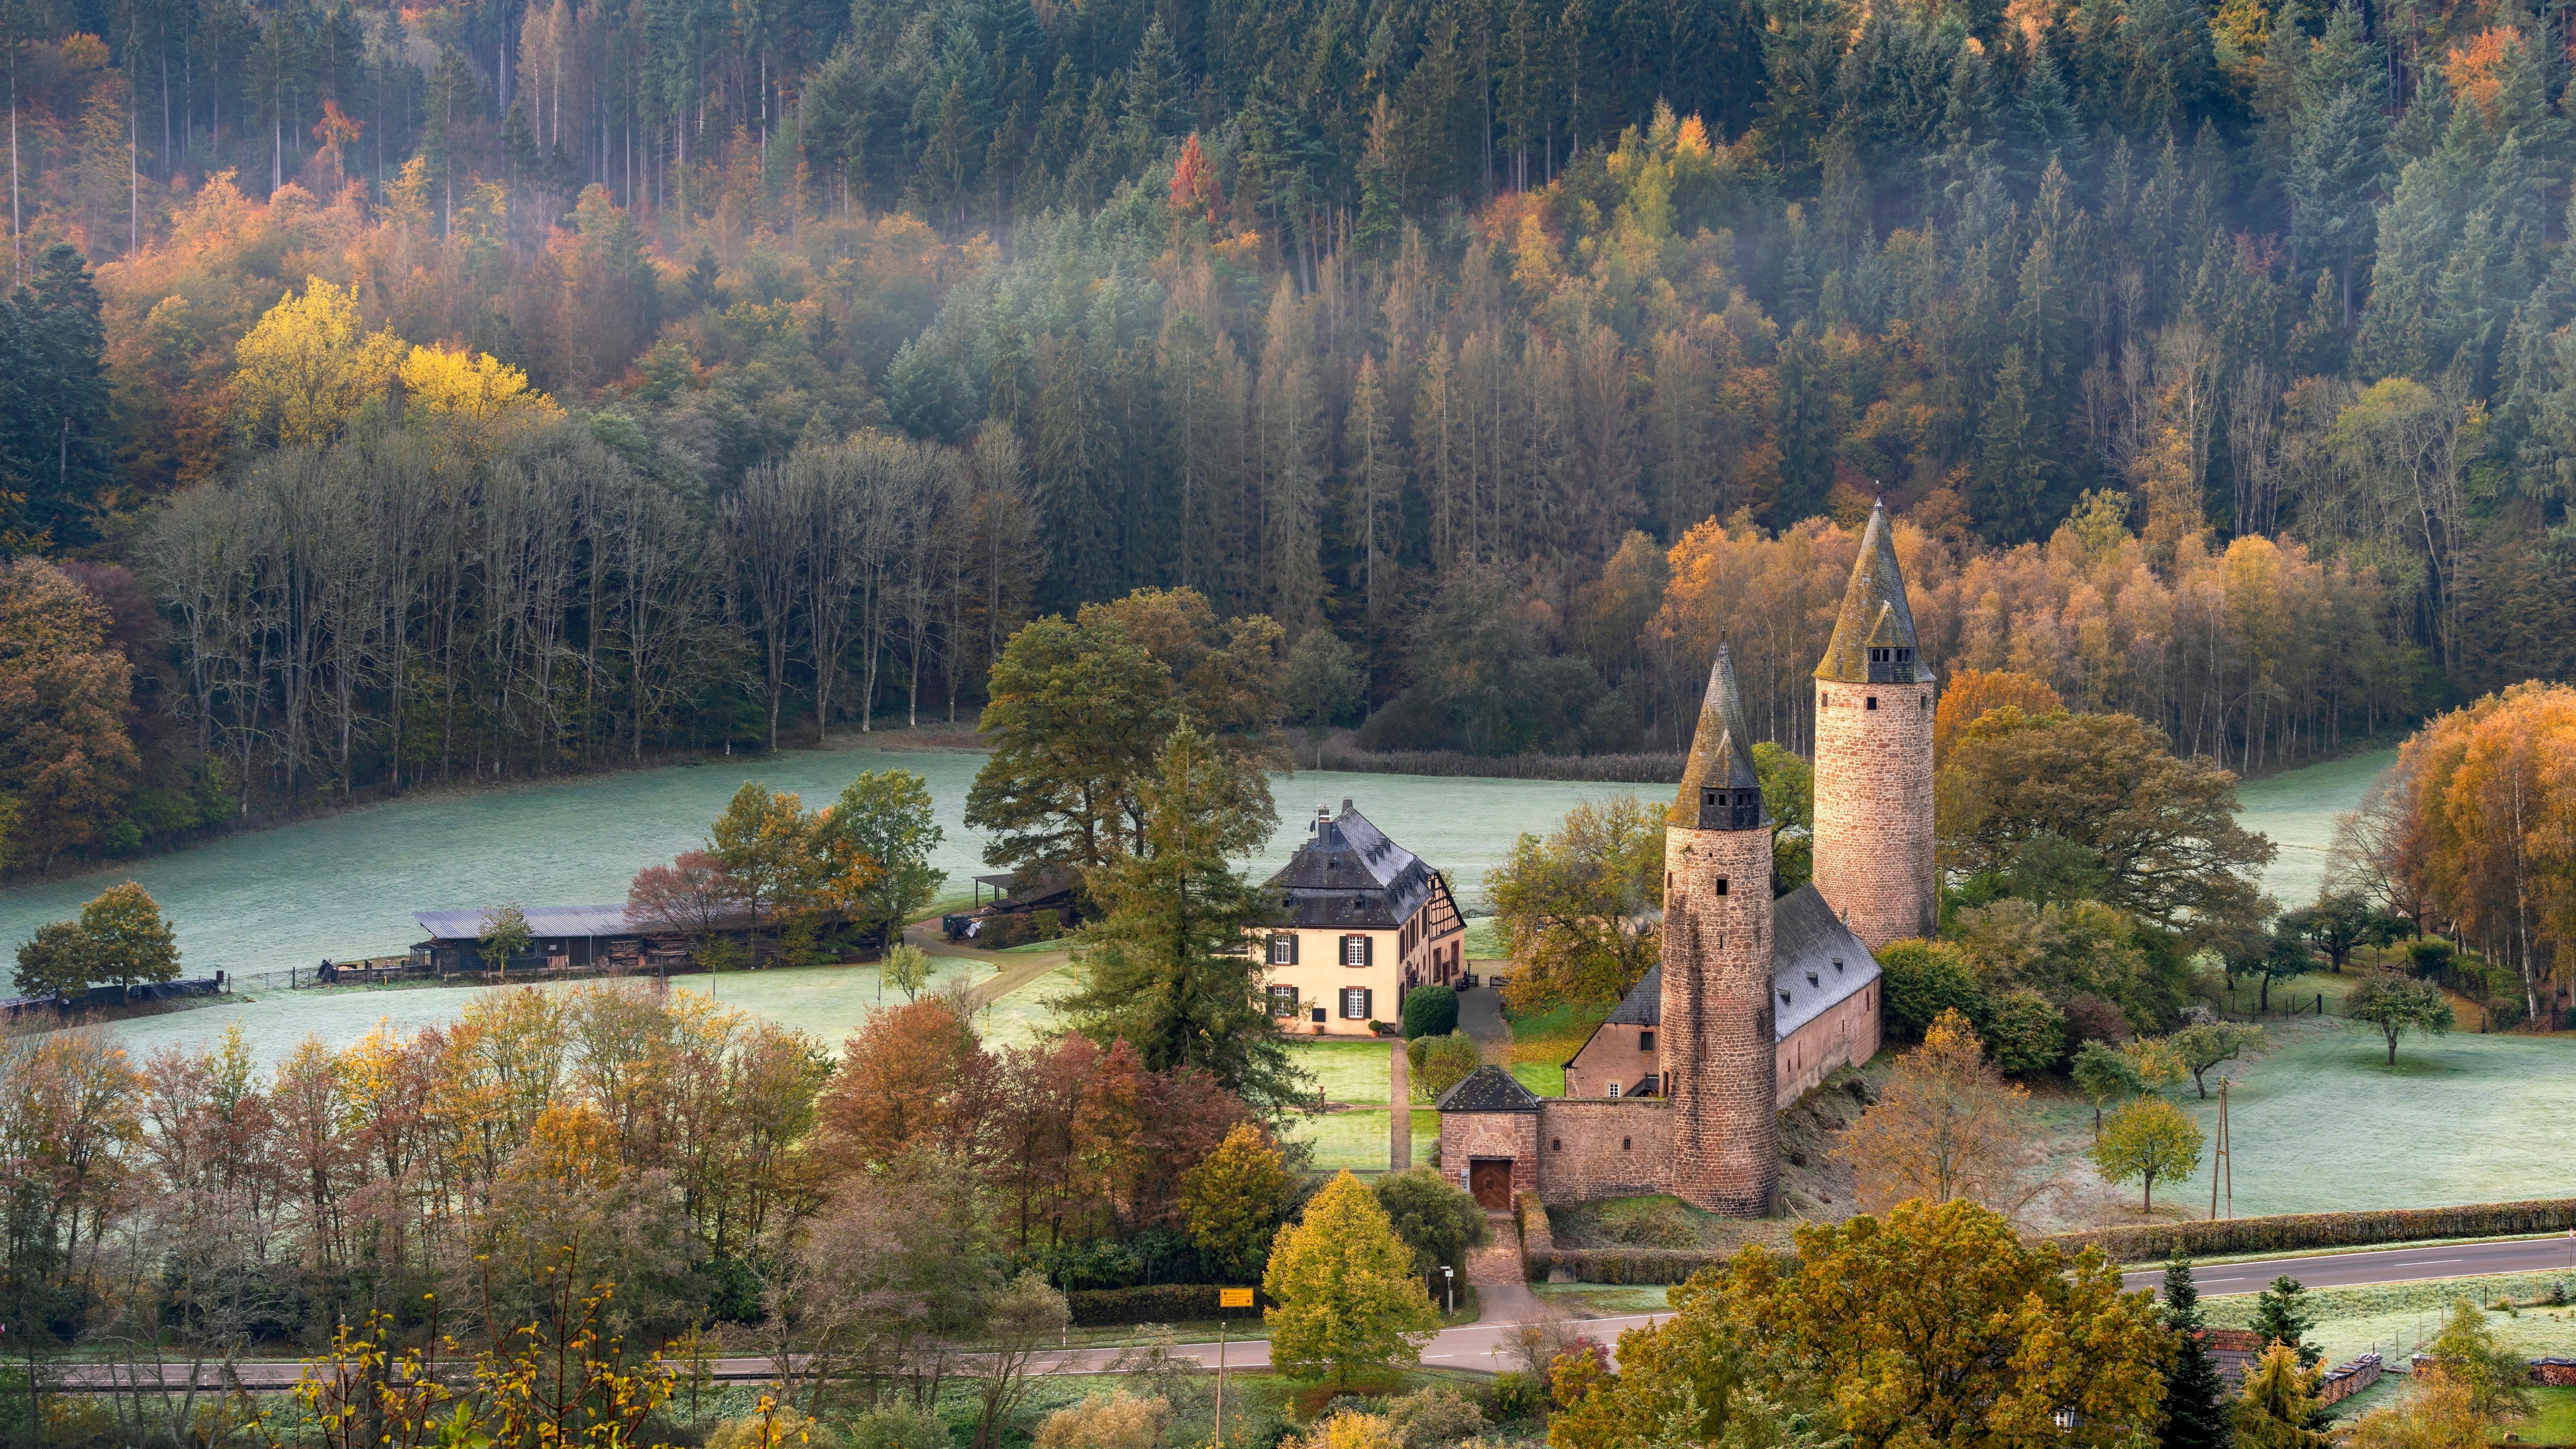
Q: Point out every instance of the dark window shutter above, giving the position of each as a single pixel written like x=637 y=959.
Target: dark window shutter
x=1368 y=950
x=1368 y=1004
x=1292 y=949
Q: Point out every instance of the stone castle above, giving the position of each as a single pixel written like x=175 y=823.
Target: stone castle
x=1756 y=1000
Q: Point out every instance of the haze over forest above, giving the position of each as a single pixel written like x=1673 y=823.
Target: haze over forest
x=471 y=390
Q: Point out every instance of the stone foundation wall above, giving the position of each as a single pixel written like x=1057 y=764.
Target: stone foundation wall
x=1846 y=1033
x=1874 y=808
x=1466 y=1136
x=1601 y=1148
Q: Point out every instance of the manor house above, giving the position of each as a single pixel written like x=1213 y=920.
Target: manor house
x=1755 y=1000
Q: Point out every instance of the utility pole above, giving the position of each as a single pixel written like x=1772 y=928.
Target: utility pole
x=2222 y=1163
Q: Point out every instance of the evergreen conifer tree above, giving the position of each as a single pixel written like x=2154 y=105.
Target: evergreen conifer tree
x=1805 y=428
x=2196 y=1414
x=2281 y=1315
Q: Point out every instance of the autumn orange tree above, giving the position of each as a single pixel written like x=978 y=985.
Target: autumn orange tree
x=2486 y=830
x=1947 y=1126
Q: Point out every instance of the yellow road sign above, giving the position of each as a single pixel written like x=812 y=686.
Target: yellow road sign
x=1234 y=1298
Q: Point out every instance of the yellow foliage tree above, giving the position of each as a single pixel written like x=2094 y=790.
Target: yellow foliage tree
x=468 y=385
x=1343 y=1282
x=308 y=365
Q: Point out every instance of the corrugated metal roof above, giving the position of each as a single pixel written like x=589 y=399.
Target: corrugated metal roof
x=543 y=922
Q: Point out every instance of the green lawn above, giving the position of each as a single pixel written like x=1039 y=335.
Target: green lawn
x=1358 y=1140
x=829 y=1003
x=1348 y=1071
x=1542 y=1044
x=2324 y=1124
x=2297 y=810
x=2553 y=1418
x=2398 y=1318
x=1485 y=939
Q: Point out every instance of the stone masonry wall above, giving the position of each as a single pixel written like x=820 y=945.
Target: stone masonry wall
x=1717 y=1020
x=1603 y=1148
x=1612 y=1055
x=1874 y=808
x=1465 y=1136
x=1844 y=1034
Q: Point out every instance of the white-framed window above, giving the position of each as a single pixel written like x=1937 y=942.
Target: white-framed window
x=1283 y=950
x=1355 y=1003
x=1283 y=1002
x=1614 y=1089
x=1355 y=950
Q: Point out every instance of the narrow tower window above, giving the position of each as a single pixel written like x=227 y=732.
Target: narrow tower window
x=1873 y=702
x=1721 y=885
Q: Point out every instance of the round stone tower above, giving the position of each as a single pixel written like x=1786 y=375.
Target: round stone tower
x=1720 y=1060
x=1873 y=844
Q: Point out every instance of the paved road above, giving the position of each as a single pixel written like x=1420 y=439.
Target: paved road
x=2383 y=1265
x=1487 y=1344
x=1482 y=1345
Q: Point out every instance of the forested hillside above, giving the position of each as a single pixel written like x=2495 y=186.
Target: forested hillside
x=496 y=388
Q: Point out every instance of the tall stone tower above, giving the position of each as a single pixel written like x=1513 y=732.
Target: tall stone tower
x=1720 y=1060
x=1874 y=756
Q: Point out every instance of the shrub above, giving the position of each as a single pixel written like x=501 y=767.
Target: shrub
x=1430 y=1011
x=1002 y=932
x=1048 y=924
x=1925 y=978
x=1631 y=1266
x=2429 y=958
x=895 y=1424
x=1444 y=1062
x=1437 y=1220
x=1105 y=1421
x=2205 y=1239
x=1516 y=1395
x=2026 y=1033
x=787 y=1429
x=1352 y=1431
x=1649 y=1222
x=1433 y=1416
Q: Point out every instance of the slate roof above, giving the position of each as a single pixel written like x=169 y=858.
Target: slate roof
x=1720 y=752
x=1874 y=609
x=1349 y=876
x=1807 y=938
x=1807 y=942
x=1488 y=1089
x=1644 y=1003
x=543 y=921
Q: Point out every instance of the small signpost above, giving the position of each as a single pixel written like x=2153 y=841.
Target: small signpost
x=1225 y=1298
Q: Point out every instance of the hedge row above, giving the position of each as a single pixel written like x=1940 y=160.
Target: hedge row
x=2324 y=1230
x=1642 y=1266
x=1159 y=1303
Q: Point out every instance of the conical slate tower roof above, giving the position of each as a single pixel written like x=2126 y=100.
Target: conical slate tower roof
x=1874 y=612
x=1721 y=748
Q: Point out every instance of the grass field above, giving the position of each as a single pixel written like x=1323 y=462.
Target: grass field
x=2398 y=1318
x=1358 y=1140
x=2323 y=1123
x=2297 y=810
x=1542 y=1044
x=2553 y=1418
x=1349 y=1071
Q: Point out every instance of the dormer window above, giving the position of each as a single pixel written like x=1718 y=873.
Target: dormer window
x=1838 y=963
x=1812 y=981
x=1784 y=998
